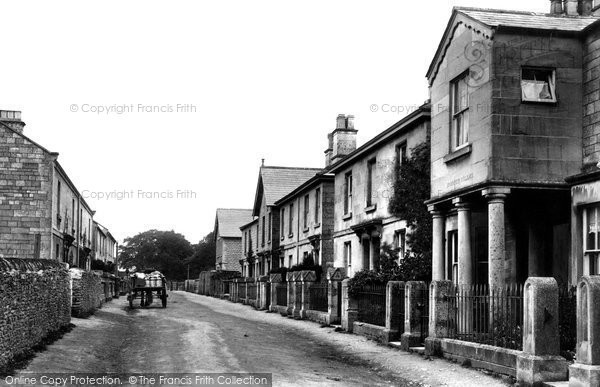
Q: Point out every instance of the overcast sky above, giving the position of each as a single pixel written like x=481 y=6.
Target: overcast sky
x=263 y=79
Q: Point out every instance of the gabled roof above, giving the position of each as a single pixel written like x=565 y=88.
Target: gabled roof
x=494 y=19
x=229 y=220
x=276 y=182
x=308 y=184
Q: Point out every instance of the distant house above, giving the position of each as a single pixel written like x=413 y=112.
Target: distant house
x=228 y=237
x=105 y=245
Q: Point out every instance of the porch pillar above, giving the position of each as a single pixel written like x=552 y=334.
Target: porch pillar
x=437 y=253
x=465 y=263
x=496 y=235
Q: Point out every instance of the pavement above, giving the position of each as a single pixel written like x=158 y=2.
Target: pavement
x=199 y=334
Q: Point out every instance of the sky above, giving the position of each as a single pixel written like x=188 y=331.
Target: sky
x=162 y=111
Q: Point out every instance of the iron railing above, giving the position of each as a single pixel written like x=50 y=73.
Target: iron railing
x=482 y=315
x=317 y=296
x=422 y=311
x=252 y=291
x=241 y=291
x=567 y=321
x=281 y=293
x=371 y=304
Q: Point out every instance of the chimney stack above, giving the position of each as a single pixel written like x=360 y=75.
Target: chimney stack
x=342 y=141
x=12 y=119
x=556 y=7
x=586 y=7
x=572 y=7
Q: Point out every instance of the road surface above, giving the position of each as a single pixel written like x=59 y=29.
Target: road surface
x=200 y=334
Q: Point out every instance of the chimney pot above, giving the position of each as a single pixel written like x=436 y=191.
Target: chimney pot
x=572 y=7
x=12 y=119
x=341 y=122
x=350 y=122
x=556 y=7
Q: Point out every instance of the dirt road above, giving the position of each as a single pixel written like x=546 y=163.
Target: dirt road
x=200 y=334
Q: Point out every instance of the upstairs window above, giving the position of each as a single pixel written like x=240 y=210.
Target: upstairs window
x=459 y=135
x=348 y=193
x=306 y=207
x=291 y=218
x=282 y=222
x=538 y=85
x=317 y=205
x=370 y=170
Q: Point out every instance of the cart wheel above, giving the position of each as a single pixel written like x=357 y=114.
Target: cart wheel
x=142 y=299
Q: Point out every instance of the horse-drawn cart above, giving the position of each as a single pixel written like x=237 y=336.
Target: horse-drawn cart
x=146 y=286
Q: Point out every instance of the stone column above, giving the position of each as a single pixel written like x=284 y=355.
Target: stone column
x=308 y=278
x=496 y=235
x=291 y=288
x=394 y=293
x=439 y=313
x=586 y=370
x=262 y=289
x=413 y=312
x=540 y=361
x=349 y=308
x=437 y=252
x=465 y=263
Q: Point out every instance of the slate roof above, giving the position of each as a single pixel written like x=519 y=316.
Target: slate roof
x=229 y=221
x=519 y=19
x=280 y=181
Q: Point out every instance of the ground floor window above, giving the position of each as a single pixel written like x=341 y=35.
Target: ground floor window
x=400 y=243
x=348 y=254
x=591 y=243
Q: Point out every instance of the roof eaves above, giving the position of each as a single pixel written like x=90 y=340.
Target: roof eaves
x=325 y=176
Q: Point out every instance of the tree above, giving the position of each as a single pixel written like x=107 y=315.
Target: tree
x=165 y=251
x=411 y=190
x=204 y=256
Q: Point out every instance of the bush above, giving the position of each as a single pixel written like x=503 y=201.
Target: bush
x=387 y=270
x=98 y=264
x=308 y=263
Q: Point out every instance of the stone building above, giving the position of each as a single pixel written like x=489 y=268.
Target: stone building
x=248 y=260
x=105 y=245
x=506 y=130
x=261 y=238
x=363 y=185
x=42 y=215
x=306 y=223
x=228 y=237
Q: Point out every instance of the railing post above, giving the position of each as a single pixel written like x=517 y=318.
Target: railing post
x=586 y=370
x=394 y=294
x=261 y=293
x=413 y=298
x=539 y=362
x=275 y=281
x=334 y=285
x=349 y=308
x=297 y=300
x=439 y=315
x=308 y=278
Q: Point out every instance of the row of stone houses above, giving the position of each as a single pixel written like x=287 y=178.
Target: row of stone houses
x=42 y=214
x=337 y=215
x=514 y=131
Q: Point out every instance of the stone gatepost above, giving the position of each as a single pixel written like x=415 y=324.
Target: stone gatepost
x=413 y=311
x=335 y=276
x=291 y=288
x=262 y=290
x=439 y=308
x=539 y=362
x=275 y=280
x=586 y=370
x=394 y=294
x=297 y=295
x=307 y=277
x=349 y=308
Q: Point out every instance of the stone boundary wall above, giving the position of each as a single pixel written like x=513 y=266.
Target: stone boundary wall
x=33 y=304
x=88 y=292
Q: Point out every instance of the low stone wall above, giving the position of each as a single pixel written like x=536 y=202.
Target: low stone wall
x=35 y=301
x=317 y=316
x=495 y=359
x=88 y=292
x=370 y=331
